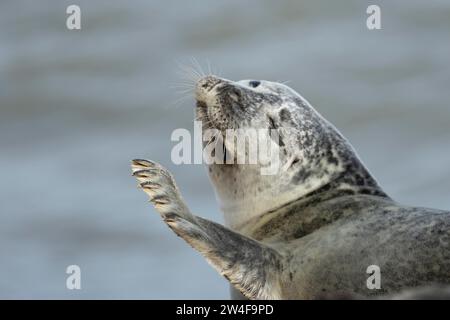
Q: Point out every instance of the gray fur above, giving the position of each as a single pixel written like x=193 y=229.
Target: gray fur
x=313 y=229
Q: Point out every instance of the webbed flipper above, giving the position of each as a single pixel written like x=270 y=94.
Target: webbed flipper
x=251 y=267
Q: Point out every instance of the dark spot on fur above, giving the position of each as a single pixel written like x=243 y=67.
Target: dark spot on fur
x=300 y=176
x=285 y=115
x=271 y=123
x=331 y=158
x=274 y=134
x=359 y=180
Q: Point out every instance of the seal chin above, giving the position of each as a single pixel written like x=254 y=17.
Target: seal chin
x=202 y=115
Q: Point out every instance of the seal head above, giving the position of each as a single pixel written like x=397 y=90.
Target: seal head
x=313 y=155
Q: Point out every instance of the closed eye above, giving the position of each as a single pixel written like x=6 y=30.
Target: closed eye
x=254 y=83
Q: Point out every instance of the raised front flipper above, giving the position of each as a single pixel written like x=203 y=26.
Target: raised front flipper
x=251 y=267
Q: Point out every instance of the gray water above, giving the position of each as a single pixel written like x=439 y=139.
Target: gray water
x=76 y=106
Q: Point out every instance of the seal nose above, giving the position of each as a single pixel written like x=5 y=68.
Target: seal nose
x=208 y=82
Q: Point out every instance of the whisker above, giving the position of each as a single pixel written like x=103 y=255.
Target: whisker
x=182 y=86
x=186 y=92
x=206 y=123
x=200 y=69
x=192 y=71
x=178 y=102
x=208 y=64
x=188 y=73
x=217 y=71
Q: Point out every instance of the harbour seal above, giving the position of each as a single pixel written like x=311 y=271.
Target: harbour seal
x=314 y=228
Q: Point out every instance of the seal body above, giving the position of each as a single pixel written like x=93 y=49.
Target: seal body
x=330 y=244
x=312 y=229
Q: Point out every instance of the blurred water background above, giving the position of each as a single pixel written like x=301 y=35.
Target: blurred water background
x=76 y=106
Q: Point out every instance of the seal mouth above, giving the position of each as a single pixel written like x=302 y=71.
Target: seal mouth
x=213 y=87
x=207 y=94
x=207 y=123
x=202 y=112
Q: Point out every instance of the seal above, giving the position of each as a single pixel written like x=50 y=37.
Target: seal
x=314 y=228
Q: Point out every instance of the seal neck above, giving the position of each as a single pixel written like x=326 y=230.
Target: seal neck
x=239 y=214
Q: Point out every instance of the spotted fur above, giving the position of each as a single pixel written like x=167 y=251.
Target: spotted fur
x=314 y=228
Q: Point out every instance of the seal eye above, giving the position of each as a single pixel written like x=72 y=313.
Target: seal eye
x=254 y=83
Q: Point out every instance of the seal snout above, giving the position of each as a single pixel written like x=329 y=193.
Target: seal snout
x=204 y=87
x=207 y=83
